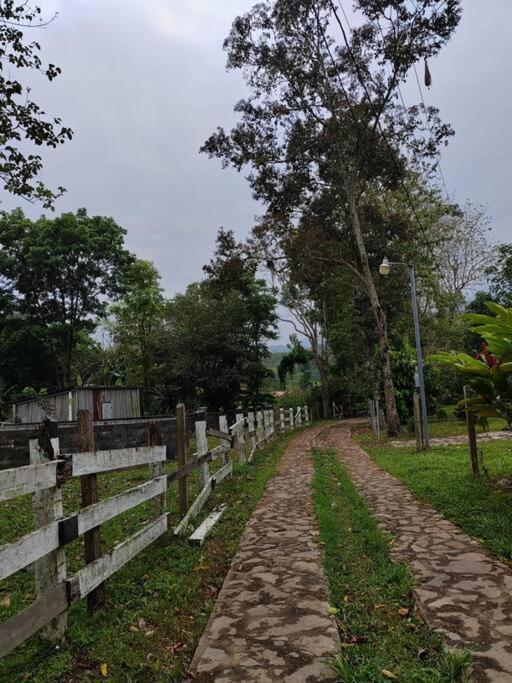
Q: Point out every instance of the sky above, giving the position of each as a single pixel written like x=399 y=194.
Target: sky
x=144 y=83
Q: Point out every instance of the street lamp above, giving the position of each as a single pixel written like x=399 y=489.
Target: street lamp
x=384 y=269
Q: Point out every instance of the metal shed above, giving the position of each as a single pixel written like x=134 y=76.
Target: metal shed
x=105 y=403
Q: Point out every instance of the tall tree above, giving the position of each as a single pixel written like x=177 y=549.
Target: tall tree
x=23 y=121
x=61 y=273
x=137 y=320
x=324 y=121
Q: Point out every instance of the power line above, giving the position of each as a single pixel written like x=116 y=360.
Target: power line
x=388 y=145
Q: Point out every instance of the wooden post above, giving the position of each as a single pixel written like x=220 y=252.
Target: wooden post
x=290 y=413
x=50 y=570
x=240 y=436
x=473 y=450
x=281 y=420
x=417 y=420
x=223 y=426
x=250 y=425
x=259 y=423
x=156 y=469
x=299 y=417
x=181 y=455
x=306 y=415
x=202 y=447
x=89 y=486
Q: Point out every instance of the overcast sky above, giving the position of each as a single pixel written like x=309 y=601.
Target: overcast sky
x=144 y=83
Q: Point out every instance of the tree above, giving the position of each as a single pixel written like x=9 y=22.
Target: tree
x=323 y=124
x=61 y=272
x=499 y=275
x=138 y=318
x=21 y=119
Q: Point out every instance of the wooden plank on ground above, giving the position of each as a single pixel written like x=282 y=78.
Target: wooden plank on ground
x=195 y=507
x=107 y=461
x=95 y=573
x=205 y=527
x=21 y=626
x=21 y=480
x=29 y=548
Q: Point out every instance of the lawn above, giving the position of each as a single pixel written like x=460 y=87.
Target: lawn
x=370 y=595
x=442 y=478
x=159 y=602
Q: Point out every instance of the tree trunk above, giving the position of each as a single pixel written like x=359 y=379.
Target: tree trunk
x=325 y=396
x=392 y=418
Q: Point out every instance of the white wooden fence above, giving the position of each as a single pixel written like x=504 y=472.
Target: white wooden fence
x=45 y=547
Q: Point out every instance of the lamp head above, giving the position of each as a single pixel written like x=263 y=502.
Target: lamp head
x=384 y=267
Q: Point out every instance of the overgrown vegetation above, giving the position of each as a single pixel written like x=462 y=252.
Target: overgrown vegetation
x=381 y=638
x=158 y=604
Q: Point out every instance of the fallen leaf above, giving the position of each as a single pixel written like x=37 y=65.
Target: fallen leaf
x=346 y=598
x=149 y=633
x=388 y=674
x=104 y=670
x=142 y=624
x=333 y=610
x=134 y=629
x=5 y=602
x=403 y=611
x=379 y=606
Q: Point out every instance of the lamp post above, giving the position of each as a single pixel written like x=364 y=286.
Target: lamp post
x=384 y=269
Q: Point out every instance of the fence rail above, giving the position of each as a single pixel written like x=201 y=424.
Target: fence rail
x=45 y=546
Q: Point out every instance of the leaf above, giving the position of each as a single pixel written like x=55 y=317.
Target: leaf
x=388 y=674
x=333 y=610
x=403 y=611
x=379 y=606
x=6 y=602
x=104 y=669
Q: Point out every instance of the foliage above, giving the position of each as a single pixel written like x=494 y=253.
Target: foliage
x=404 y=363
x=59 y=273
x=23 y=121
x=490 y=374
x=137 y=320
x=499 y=275
x=298 y=355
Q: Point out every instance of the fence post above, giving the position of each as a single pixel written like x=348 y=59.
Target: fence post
x=473 y=450
x=202 y=447
x=89 y=486
x=299 y=417
x=240 y=435
x=290 y=413
x=50 y=570
x=181 y=455
x=259 y=422
x=306 y=414
x=223 y=426
x=250 y=426
x=281 y=420
x=156 y=469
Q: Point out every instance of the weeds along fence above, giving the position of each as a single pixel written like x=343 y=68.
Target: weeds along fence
x=50 y=470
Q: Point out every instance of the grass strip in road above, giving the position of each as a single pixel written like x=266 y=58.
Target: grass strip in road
x=158 y=604
x=442 y=478
x=381 y=638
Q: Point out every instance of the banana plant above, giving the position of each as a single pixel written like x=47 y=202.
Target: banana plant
x=490 y=373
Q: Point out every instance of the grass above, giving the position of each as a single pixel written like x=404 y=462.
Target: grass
x=159 y=602
x=442 y=478
x=370 y=595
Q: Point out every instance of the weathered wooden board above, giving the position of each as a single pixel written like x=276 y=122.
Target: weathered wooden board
x=95 y=573
x=218 y=434
x=106 y=461
x=194 y=508
x=17 y=629
x=224 y=471
x=21 y=480
x=205 y=527
x=94 y=515
x=28 y=549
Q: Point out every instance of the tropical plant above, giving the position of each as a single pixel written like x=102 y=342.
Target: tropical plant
x=489 y=374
